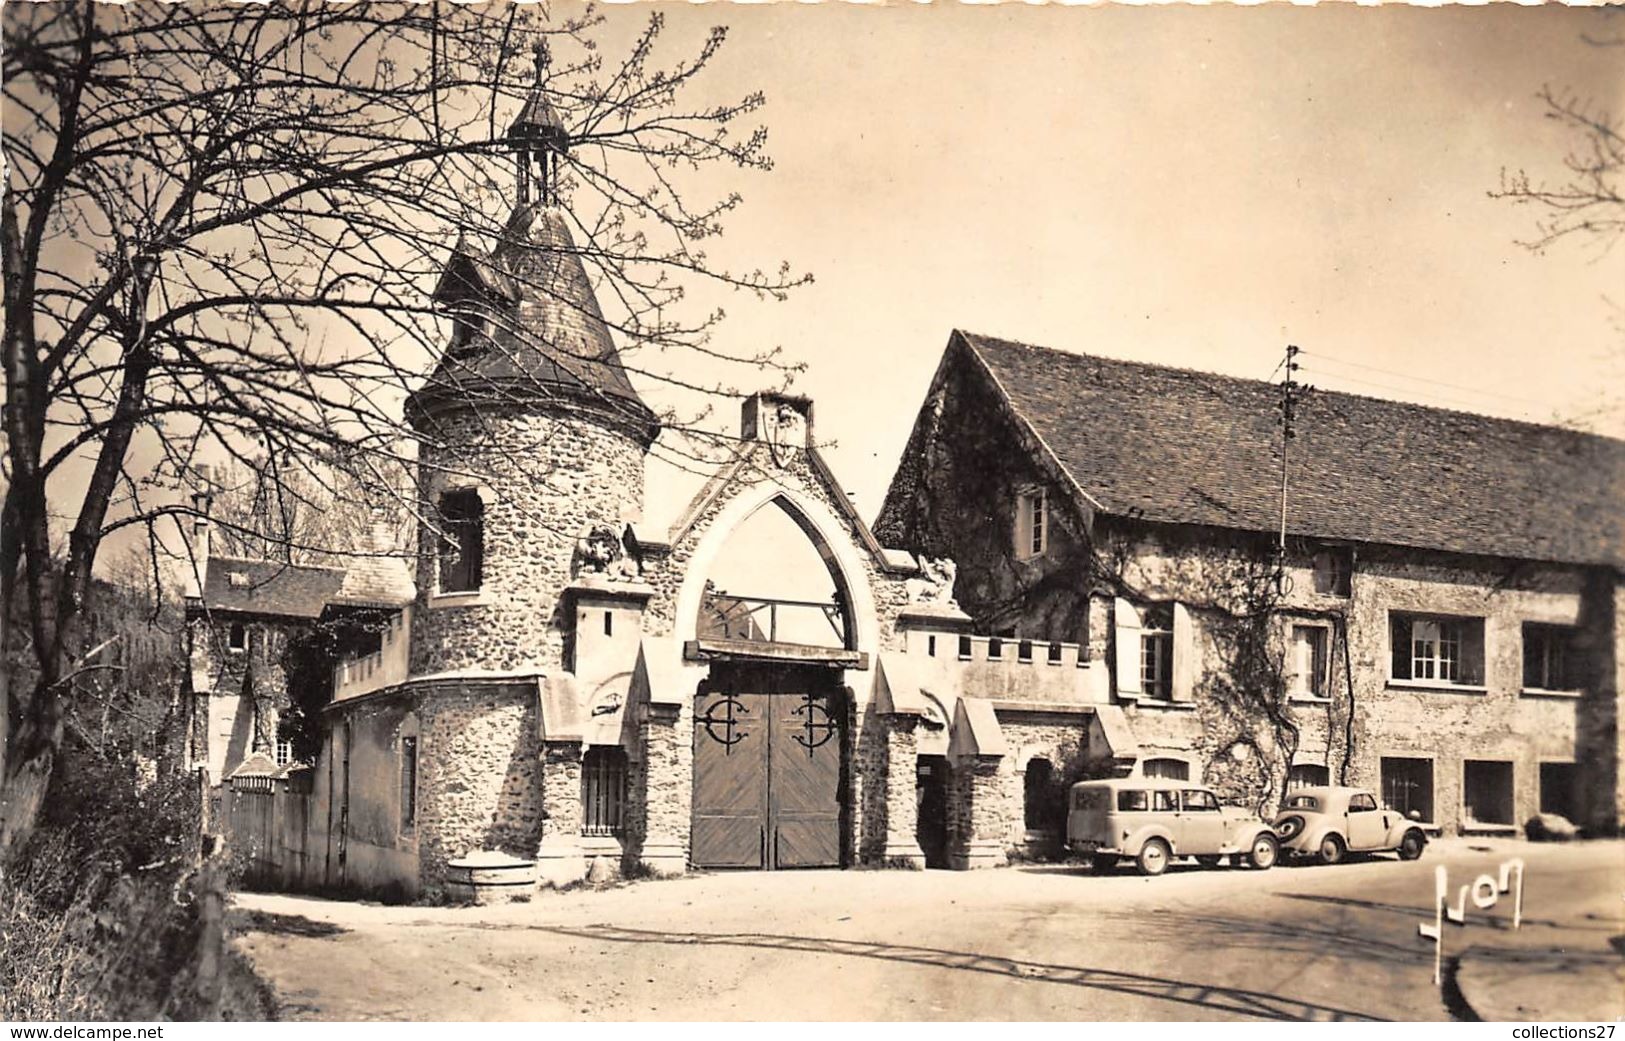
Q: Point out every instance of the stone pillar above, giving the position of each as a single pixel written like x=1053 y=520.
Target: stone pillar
x=902 y=796
x=665 y=782
x=977 y=811
x=559 y=859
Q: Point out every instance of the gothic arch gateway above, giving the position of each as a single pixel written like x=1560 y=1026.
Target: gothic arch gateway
x=773 y=717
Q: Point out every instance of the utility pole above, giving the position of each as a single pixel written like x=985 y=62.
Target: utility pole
x=1289 y=403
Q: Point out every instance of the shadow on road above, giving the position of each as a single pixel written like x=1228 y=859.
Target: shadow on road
x=1217 y=998
x=282 y=924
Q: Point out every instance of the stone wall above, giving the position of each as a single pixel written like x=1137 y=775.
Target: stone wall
x=481 y=780
x=661 y=788
x=1447 y=724
x=544 y=479
x=237 y=696
x=954 y=496
x=979 y=813
x=1064 y=742
x=479 y=772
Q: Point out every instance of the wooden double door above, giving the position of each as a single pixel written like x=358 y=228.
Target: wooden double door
x=767 y=769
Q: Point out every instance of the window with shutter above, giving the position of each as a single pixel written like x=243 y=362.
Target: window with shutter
x=1127 y=647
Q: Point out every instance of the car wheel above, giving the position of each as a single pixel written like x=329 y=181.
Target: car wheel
x=1209 y=861
x=1410 y=847
x=1102 y=863
x=1265 y=851
x=1154 y=856
x=1332 y=849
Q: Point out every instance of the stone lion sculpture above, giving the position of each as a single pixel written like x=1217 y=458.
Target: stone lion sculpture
x=936 y=582
x=601 y=552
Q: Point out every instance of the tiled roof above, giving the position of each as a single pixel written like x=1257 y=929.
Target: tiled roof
x=551 y=335
x=269 y=587
x=1179 y=446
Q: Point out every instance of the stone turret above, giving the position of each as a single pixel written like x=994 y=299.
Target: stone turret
x=532 y=434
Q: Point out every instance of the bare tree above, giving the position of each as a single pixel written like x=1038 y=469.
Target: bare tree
x=1588 y=202
x=221 y=228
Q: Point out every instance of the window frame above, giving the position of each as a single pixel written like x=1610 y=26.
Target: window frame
x=1032 y=521
x=604 y=810
x=1184 y=765
x=1402 y=776
x=1552 y=636
x=237 y=638
x=1323 y=779
x=411 y=774
x=1446 y=651
x=1336 y=577
x=1320 y=669
x=1157 y=664
x=459 y=534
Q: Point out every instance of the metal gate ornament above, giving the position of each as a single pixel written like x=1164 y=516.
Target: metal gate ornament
x=732 y=733
x=818 y=731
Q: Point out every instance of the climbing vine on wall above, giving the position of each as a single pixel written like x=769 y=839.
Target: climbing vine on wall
x=1250 y=729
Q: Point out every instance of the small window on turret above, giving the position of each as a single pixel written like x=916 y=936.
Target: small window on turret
x=462 y=541
x=468 y=333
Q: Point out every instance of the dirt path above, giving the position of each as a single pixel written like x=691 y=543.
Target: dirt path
x=1038 y=943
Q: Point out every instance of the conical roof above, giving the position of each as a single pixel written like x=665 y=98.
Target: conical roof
x=545 y=339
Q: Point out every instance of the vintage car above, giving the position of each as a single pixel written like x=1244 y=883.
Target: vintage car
x=1330 y=823
x=1152 y=821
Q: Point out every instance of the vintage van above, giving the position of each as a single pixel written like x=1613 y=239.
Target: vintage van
x=1153 y=821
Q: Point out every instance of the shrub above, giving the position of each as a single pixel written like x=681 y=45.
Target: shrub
x=113 y=910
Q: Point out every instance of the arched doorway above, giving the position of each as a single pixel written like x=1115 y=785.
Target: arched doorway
x=775 y=623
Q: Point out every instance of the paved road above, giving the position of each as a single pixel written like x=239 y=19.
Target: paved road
x=1309 y=943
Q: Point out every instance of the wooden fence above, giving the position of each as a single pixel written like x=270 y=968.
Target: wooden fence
x=268 y=829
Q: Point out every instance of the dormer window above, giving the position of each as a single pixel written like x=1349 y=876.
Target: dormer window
x=1032 y=523
x=469 y=330
x=237 y=579
x=462 y=541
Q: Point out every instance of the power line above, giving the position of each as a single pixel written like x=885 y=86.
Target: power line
x=1418 y=379
x=1445 y=400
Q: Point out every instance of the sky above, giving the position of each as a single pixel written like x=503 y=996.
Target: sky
x=1191 y=186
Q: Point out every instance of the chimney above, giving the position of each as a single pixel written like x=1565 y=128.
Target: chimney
x=380 y=530
x=202 y=501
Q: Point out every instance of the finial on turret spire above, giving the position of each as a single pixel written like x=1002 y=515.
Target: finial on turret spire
x=538 y=137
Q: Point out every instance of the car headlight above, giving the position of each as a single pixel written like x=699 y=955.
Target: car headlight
x=1288 y=827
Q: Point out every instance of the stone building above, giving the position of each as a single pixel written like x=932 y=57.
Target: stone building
x=568 y=687
x=241 y=614
x=1444 y=626
x=1065 y=582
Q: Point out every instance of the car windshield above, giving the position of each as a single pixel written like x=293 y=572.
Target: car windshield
x=1301 y=802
